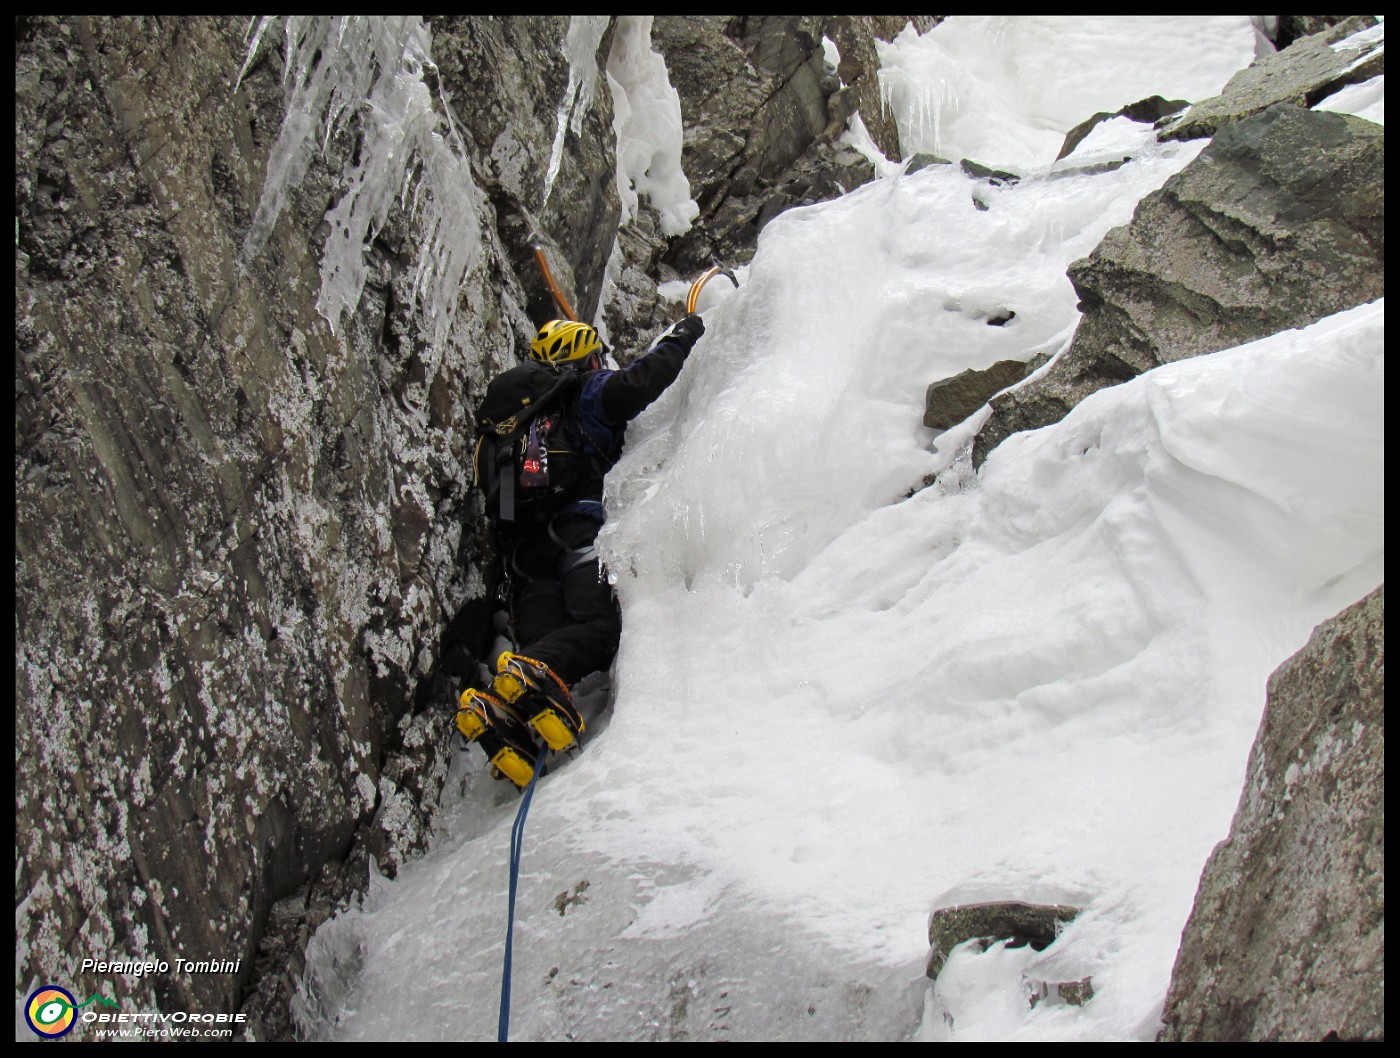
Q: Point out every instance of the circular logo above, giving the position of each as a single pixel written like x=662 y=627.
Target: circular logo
x=50 y=1011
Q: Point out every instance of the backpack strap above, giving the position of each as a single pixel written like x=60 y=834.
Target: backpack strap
x=505 y=482
x=503 y=425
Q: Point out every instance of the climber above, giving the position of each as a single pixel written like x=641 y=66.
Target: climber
x=550 y=429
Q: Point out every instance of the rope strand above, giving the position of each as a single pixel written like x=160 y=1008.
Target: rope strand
x=517 y=834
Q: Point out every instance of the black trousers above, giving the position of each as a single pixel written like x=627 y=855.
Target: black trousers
x=564 y=609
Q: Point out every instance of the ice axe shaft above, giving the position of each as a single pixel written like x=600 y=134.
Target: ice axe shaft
x=554 y=291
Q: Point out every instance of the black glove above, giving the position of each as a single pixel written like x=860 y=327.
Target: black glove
x=689 y=329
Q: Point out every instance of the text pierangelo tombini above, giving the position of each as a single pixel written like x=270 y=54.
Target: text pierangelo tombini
x=160 y=966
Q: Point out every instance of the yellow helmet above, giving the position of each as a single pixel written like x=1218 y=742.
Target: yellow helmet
x=564 y=341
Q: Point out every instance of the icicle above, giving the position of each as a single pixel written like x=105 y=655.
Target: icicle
x=921 y=99
x=339 y=67
x=581 y=50
x=252 y=47
x=612 y=272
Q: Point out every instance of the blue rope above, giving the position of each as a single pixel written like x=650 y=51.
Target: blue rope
x=517 y=834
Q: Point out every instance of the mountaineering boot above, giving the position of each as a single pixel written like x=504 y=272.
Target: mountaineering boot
x=542 y=696
x=504 y=739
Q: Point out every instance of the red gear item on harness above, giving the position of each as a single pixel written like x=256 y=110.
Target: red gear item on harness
x=534 y=468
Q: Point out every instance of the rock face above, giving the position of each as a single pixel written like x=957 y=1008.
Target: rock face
x=240 y=547
x=756 y=98
x=855 y=38
x=1287 y=937
x=1279 y=222
x=248 y=572
x=484 y=62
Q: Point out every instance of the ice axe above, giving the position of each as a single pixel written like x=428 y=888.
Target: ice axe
x=716 y=270
x=538 y=246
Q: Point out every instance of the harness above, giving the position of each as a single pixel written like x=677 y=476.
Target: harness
x=575 y=556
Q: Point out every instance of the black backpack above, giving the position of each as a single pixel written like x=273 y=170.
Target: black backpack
x=520 y=442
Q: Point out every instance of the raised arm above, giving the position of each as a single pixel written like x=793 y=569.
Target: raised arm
x=627 y=392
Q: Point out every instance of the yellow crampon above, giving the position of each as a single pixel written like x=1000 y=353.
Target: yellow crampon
x=472 y=720
x=550 y=708
x=553 y=728
x=475 y=722
x=508 y=761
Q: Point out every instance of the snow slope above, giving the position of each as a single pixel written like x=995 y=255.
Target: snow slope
x=844 y=699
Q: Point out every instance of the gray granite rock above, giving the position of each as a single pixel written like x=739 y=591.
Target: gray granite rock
x=951 y=400
x=1286 y=940
x=1149 y=111
x=1279 y=222
x=1011 y=920
x=1303 y=74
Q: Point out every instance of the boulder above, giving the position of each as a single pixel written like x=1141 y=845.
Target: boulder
x=994 y=177
x=1015 y=921
x=1284 y=30
x=1286 y=940
x=923 y=160
x=951 y=400
x=1062 y=993
x=1148 y=111
x=1279 y=222
x=1303 y=74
